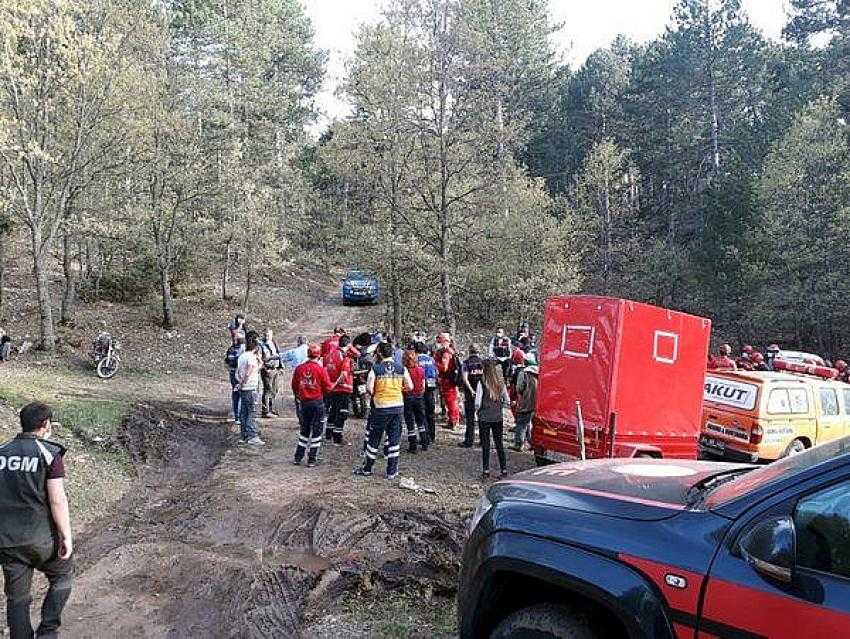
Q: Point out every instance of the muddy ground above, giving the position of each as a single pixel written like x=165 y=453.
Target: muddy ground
x=219 y=540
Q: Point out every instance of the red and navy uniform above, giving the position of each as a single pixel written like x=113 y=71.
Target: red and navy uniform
x=414 y=410
x=339 y=365
x=310 y=383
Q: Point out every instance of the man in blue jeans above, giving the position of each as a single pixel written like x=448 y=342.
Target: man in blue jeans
x=232 y=359
x=248 y=378
x=386 y=383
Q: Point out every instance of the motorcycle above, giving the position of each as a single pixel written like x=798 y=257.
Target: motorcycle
x=360 y=401
x=105 y=355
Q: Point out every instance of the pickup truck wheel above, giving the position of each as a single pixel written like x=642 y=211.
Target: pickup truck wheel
x=544 y=621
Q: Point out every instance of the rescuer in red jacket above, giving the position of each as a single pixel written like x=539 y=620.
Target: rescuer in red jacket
x=332 y=343
x=724 y=361
x=339 y=364
x=447 y=377
x=310 y=384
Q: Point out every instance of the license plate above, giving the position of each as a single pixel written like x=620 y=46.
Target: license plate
x=710 y=442
x=361 y=389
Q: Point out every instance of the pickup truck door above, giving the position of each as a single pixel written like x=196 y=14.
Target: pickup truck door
x=831 y=423
x=740 y=602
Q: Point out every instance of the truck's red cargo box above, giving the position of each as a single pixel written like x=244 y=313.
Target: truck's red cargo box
x=637 y=370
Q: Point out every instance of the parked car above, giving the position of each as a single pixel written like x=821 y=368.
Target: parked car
x=360 y=288
x=660 y=548
x=762 y=416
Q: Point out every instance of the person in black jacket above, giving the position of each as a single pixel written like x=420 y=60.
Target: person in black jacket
x=35 y=527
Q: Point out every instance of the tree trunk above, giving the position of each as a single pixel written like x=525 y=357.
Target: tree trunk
x=4 y=239
x=249 y=283
x=42 y=287
x=70 y=293
x=606 y=214
x=167 y=299
x=225 y=272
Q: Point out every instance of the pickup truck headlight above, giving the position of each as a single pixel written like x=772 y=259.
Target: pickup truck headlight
x=480 y=510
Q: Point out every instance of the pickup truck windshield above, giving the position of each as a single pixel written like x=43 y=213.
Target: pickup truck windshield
x=776 y=471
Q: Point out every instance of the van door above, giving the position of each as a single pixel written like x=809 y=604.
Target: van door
x=830 y=419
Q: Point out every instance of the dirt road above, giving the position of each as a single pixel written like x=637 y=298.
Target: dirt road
x=217 y=540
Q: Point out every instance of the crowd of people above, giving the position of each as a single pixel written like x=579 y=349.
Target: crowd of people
x=751 y=359
x=405 y=384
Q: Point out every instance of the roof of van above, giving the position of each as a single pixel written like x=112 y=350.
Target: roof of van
x=772 y=376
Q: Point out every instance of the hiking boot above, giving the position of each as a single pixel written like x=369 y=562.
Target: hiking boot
x=241 y=442
x=504 y=473
x=464 y=445
x=296 y=462
x=391 y=477
x=272 y=414
x=256 y=441
x=411 y=449
x=362 y=472
x=312 y=462
x=485 y=474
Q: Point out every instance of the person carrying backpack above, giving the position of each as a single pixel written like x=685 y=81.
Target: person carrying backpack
x=429 y=367
x=231 y=359
x=414 y=404
x=526 y=391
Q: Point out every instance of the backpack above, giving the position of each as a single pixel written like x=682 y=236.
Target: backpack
x=458 y=372
x=231 y=357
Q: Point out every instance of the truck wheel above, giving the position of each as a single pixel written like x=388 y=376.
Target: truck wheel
x=795 y=447
x=544 y=621
x=540 y=460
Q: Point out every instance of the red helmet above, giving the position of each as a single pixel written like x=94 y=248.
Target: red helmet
x=840 y=364
x=314 y=351
x=747 y=349
x=757 y=357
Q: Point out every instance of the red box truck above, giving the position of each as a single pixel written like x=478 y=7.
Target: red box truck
x=634 y=372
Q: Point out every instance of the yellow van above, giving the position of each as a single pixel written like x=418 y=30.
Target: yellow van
x=753 y=416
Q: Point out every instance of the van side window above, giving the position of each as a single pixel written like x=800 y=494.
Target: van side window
x=778 y=401
x=828 y=401
x=846 y=393
x=799 y=400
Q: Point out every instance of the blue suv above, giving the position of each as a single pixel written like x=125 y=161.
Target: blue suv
x=652 y=548
x=360 y=288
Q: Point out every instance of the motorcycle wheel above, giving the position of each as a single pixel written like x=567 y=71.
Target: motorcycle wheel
x=107 y=367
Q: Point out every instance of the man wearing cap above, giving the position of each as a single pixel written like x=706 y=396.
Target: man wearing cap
x=35 y=527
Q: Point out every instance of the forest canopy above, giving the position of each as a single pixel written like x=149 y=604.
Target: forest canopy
x=147 y=146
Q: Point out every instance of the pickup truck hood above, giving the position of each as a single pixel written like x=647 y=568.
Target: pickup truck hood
x=645 y=489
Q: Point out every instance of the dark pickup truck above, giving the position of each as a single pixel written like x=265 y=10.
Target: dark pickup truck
x=663 y=548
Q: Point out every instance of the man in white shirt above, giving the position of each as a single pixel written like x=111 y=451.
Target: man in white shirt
x=248 y=378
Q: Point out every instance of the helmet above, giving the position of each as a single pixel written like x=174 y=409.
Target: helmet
x=725 y=349
x=840 y=364
x=747 y=349
x=314 y=351
x=773 y=348
x=757 y=357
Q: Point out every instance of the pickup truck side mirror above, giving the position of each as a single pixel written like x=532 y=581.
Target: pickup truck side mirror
x=770 y=548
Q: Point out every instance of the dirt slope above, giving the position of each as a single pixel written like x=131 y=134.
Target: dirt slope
x=217 y=540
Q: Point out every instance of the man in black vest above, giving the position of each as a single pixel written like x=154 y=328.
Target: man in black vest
x=35 y=529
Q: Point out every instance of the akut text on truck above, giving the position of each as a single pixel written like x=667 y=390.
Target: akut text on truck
x=629 y=376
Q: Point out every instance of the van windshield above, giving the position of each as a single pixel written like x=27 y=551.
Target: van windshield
x=776 y=471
